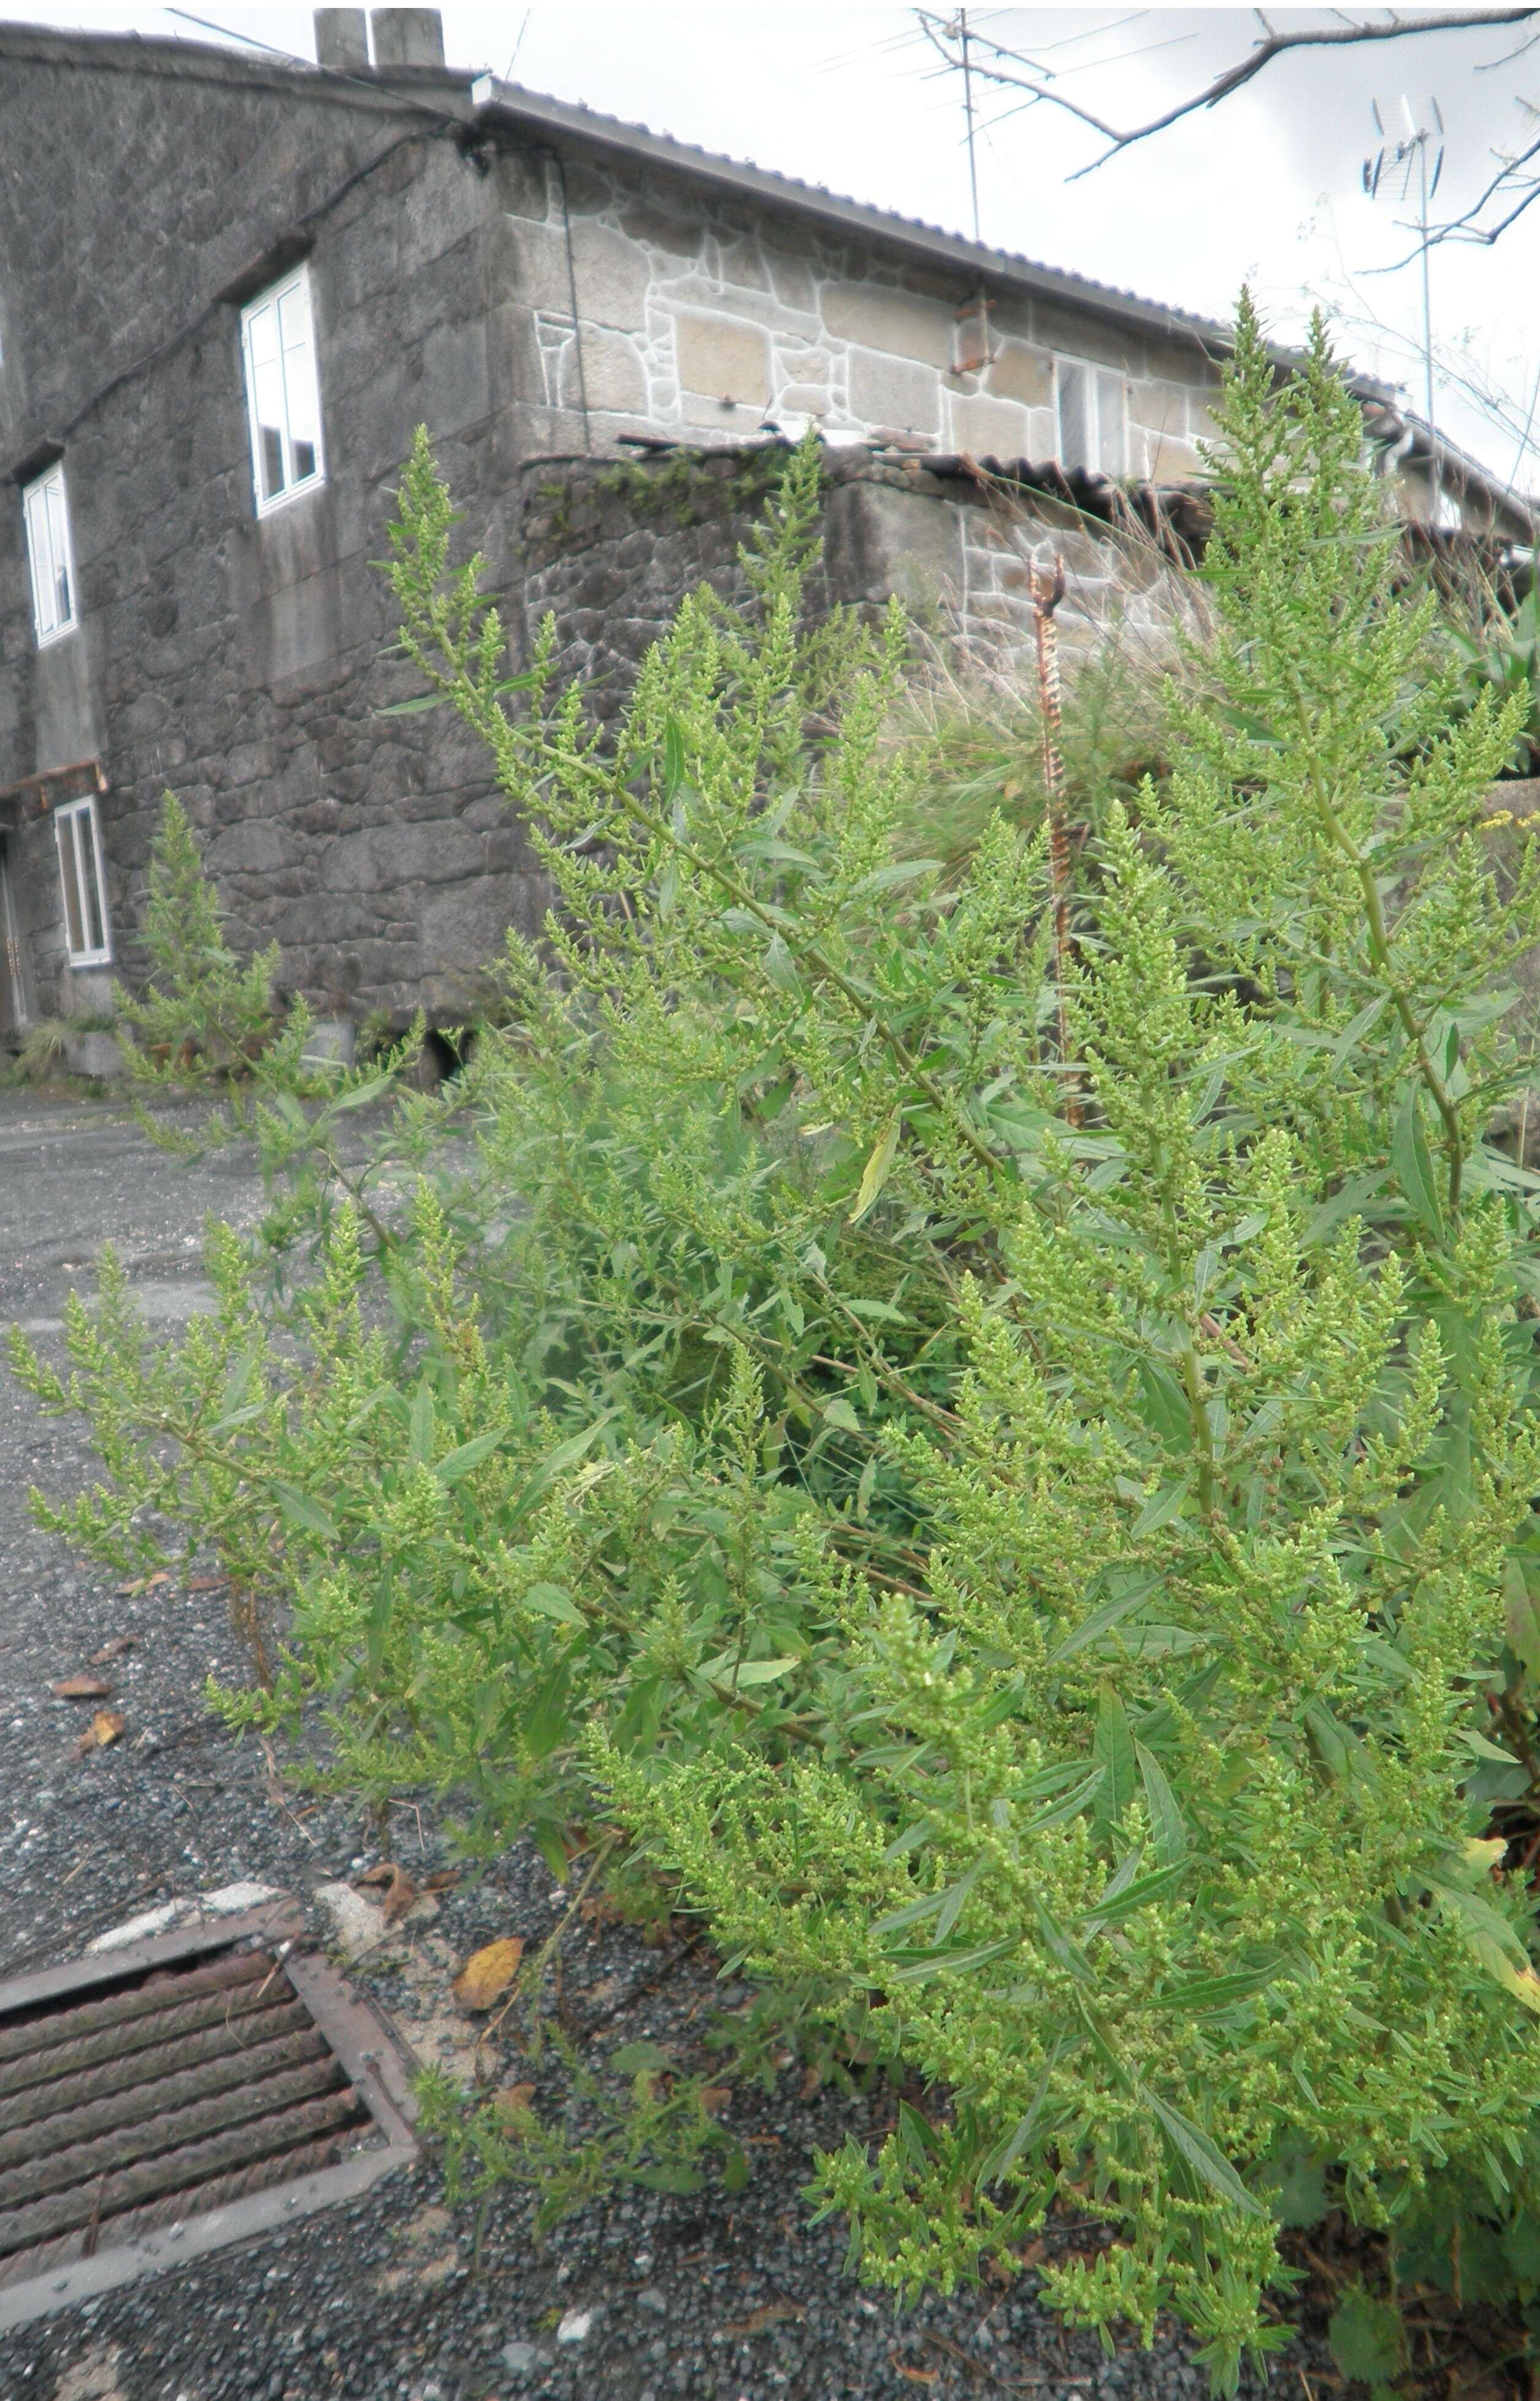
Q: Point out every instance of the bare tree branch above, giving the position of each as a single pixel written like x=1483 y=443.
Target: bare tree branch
x=989 y=61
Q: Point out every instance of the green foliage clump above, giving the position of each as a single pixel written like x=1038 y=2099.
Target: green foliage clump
x=1036 y=1550
x=201 y=1009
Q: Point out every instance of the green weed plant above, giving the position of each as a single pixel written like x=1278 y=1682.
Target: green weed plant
x=1035 y=1550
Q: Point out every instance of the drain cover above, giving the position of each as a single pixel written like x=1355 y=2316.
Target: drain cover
x=161 y=2100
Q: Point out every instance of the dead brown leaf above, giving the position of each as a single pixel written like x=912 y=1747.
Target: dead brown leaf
x=208 y=1584
x=913 y=2375
x=487 y=1974
x=81 y=1688
x=514 y=2100
x=442 y=1880
x=770 y=2314
x=383 y=1871
x=105 y=1727
x=399 y=1898
x=715 y=2097
x=113 y=1650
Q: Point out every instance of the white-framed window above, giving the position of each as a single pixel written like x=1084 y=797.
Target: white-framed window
x=1093 y=406
x=46 y=510
x=80 y=839
x=283 y=391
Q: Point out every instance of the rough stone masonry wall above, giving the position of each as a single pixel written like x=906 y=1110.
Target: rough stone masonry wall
x=610 y=547
x=703 y=316
x=241 y=661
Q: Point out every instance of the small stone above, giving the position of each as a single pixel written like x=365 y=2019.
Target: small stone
x=651 y=2299
x=520 y=2359
x=574 y=2325
x=231 y=1900
x=356 y=1925
x=139 y=1929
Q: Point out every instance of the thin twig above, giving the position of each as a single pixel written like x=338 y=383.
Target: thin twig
x=1046 y=589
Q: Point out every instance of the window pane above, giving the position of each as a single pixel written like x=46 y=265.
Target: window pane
x=91 y=878
x=271 y=457
x=266 y=369
x=59 y=549
x=48 y=553
x=1111 y=413
x=1073 y=431
x=36 y=518
x=299 y=382
x=69 y=872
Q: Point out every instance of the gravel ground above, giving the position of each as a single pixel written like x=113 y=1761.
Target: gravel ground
x=645 y=2296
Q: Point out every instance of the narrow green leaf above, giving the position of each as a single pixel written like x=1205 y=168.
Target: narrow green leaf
x=956 y=1963
x=642 y=2058
x=1201 y=2154
x=877 y=1166
x=1060 y=1945
x=550 y=1600
x=301 y=1510
x=1411 y=1164
x=460 y=1462
x=420 y=1449
x=1003 y=2159
x=1115 y=1906
x=780 y=966
x=1070 y=1806
x=763 y=1671
x=1201 y=1993
x=1166 y=1830
x=1102 y=1621
x=1112 y=1749
x=952 y=1905
x=1162 y=1507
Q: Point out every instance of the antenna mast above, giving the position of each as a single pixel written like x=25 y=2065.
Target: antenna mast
x=1410 y=156
x=961 y=32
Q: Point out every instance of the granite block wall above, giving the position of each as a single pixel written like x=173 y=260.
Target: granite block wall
x=707 y=317
x=609 y=549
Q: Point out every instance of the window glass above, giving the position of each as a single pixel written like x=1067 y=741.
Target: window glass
x=1074 y=415
x=1111 y=421
x=283 y=390
x=46 y=515
x=79 y=840
x=1093 y=417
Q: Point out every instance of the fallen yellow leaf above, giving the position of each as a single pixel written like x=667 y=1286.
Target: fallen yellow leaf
x=487 y=1974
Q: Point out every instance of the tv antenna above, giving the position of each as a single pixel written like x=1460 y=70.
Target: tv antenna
x=957 y=31
x=1413 y=163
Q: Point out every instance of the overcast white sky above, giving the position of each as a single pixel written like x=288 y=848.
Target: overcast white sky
x=1267 y=188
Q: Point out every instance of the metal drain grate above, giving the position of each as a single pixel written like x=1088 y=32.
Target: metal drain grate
x=162 y=2100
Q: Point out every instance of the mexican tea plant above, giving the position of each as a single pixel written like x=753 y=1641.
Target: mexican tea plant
x=1024 y=1540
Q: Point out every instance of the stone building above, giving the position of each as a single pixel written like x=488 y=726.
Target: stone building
x=232 y=287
